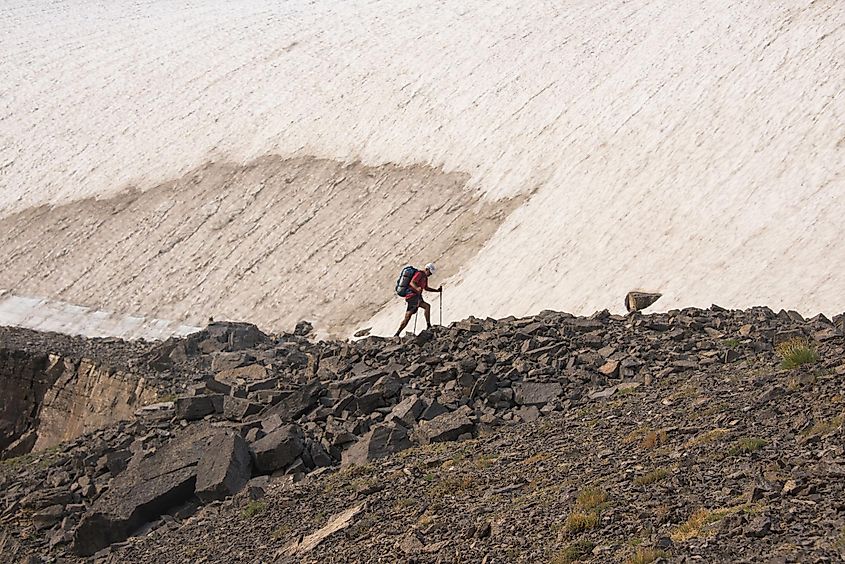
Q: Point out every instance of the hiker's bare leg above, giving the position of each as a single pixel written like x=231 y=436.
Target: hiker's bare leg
x=427 y=311
x=405 y=321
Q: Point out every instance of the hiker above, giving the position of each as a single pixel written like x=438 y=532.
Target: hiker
x=413 y=294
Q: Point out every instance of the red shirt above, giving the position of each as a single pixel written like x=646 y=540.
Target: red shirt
x=421 y=280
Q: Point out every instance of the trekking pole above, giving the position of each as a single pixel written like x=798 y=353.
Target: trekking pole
x=441 y=306
x=415 y=321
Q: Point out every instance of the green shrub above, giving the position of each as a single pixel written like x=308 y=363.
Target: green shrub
x=578 y=522
x=654 y=476
x=574 y=552
x=746 y=446
x=253 y=508
x=796 y=352
x=647 y=556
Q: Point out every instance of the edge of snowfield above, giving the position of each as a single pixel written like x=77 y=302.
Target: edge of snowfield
x=693 y=149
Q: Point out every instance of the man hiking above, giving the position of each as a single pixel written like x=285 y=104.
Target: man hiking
x=413 y=296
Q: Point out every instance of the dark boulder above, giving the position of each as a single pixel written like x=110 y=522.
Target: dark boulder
x=278 y=448
x=382 y=440
x=142 y=492
x=298 y=403
x=224 y=468
x=197 y=407
x=446 y=427
x=536 y=393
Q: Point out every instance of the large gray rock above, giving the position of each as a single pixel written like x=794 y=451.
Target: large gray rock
x=236 y=335
x=298 y=403
x=142 y=492
x=224 y=468
x=278 y=448
x=536 y=393
x=407 y=411
x=236 y=409
x=382 y=440
x=445 y=427
x=197 y=407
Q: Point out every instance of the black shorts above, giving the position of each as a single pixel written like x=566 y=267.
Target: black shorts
x=414 y=303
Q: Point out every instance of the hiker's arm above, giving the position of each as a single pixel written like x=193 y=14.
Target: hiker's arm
x=416 y=287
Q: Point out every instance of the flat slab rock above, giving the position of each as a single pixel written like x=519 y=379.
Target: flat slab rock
x=445 y=427
x=382 y=440
x=278 y=448
x=536 y=393
x=142 y=492
x=225 y=467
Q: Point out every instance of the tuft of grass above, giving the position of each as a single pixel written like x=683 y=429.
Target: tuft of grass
x=591 y=498
x=840 y=541
x=281 y=532
x=484 y=461
x=648 y=439
x=41 y=460
x=731 y=343
x=746 y=446
x=654 y=476
x=253 y=508
x=796 y=352
x=588 y=506
x=539 y=457
x=574 y=552
x=578 y=522
x=646 y=556
x=425 y=519
x=708 y=437
x=699 y=523
x=404 y=503
x=654 y=439
x=452 y=485
x=824 y=427
x=626 y=391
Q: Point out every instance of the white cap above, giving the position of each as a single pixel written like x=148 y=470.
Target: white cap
x=431 y=268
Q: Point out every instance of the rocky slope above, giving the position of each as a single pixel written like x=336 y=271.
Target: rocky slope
x=681 y=436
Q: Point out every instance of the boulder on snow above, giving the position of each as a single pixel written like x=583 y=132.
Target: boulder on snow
x=636 y=301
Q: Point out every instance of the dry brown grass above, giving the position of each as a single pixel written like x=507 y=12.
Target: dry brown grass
x=587 y=512
x=825 y=426
x=651 y=477
x=579 y=521
x=708 y=437
x=746 y=445
x=700 y=523
x=575 y=552
x=591 y=498
x=647 y=556
x=647 y=438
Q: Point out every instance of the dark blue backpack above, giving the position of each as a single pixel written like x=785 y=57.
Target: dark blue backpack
x=403 y=283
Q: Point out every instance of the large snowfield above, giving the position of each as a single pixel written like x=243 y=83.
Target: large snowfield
x=273 y=161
